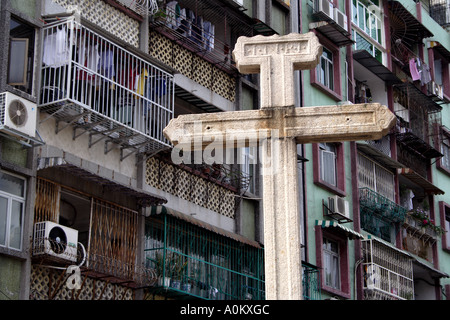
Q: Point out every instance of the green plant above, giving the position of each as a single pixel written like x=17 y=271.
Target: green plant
x=160 y=264
x=169 y=265
x=425 y=221
x=179 y=267
x=160 y=14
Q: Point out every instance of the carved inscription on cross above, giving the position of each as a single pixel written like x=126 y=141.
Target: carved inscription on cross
x=276 y=58
x=278 y=127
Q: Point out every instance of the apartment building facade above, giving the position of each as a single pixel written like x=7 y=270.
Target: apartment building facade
x=376 y=223
x=93 y=205
x=89 y=183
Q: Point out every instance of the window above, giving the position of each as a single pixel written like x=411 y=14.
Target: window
x=12 y=205
x=21 y=55
x=444 y=209
x=375 y=177
x=278 y=19
x=326 y=76
x=367 y=31
x=331 y=263
x=325 y=73
x=443 y=163
x=447 y=227
x=366 y=16
x=332 y=258
x=362 y=43
x=328 y=163
x=248 y=155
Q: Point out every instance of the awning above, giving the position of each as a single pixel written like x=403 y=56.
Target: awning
x=378 y=156
x=333 y=31
x=419 y=180
x=372 y=64
x=421 y=266
x=156 y=210
x=351 y=234
x=436 y=45
x=84 y=170
x=390 y=245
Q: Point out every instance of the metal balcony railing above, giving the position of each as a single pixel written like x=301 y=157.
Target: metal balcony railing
x=440 y=11
x=388 y=272
x=194 y=35
x=97 y=86
x=381 y=205
x=310 y=282
x=194 y=262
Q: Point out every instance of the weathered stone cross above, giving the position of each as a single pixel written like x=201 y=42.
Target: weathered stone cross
x=279 y=122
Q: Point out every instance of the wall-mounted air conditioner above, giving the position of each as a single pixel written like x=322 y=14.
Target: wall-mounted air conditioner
x=17 y=115
x=56 y=241
x=339 y=205
x=341 y=19
x=324 y=6
x=435 y=89
x=372 y=277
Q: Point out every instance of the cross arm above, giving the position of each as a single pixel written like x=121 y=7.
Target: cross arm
x=306 y=125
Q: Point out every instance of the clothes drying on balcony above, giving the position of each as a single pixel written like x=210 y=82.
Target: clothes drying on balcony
x=419 y=71
x=189 y=24
x=106 y=64
x=56 y=48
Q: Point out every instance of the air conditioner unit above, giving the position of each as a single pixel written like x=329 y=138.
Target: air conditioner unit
x=324 y=6
x=341 y=19
x=17 y=115
x=56 y=241
x=372 y=277
x=436 y=89
x=339 y=205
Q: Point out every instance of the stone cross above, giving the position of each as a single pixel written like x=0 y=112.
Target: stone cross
x=280 y=123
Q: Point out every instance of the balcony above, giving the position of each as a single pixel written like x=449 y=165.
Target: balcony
x=211 y=186
x=205 y=28
x=440 y=12
x=419 y=119
x=310 y=282
x=378 y=213
x=331 y=22
x=97 y=87
x=388 y=272
x=195 y=260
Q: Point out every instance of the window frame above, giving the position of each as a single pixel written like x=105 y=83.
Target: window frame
x=25 y=62
x=326 y=67
x=440 y=163
x=443 y=207
x=336 y=93
x=20 y=199
x=368 y=17
x=344 y=269
x=433 y=56
x=339 y=188
x=30 y=37
x=332 y=255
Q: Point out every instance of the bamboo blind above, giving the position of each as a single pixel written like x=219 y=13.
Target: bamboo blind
x=46 y=206
x=113 y=240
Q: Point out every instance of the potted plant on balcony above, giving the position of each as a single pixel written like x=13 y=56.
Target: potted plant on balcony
x=425 y=223
x=162 y=266
x=177 y=271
